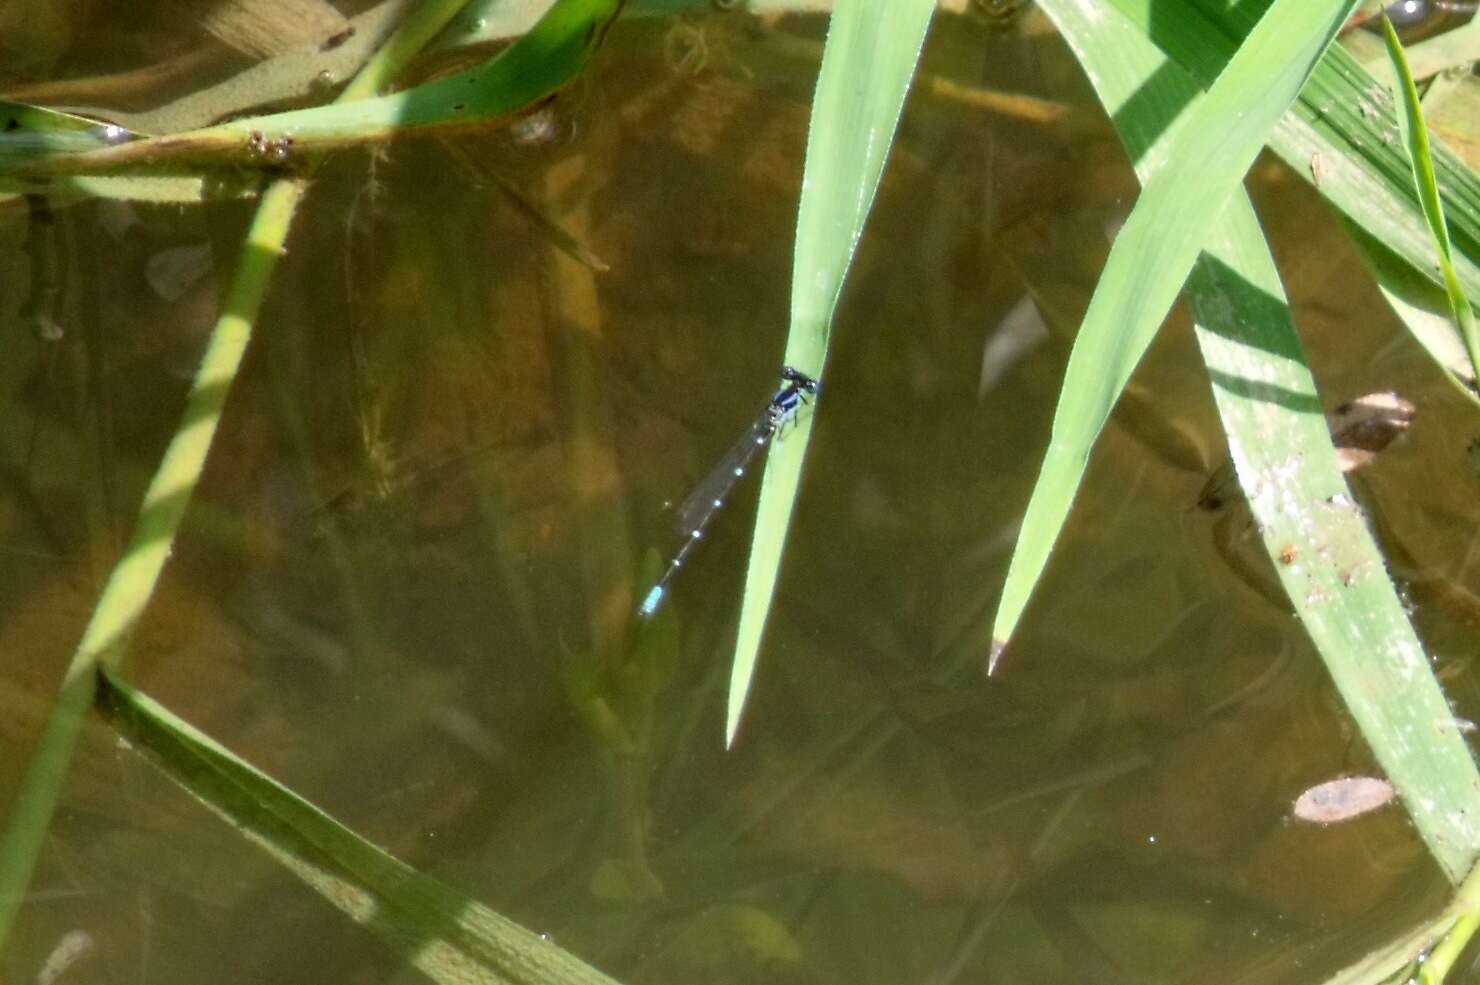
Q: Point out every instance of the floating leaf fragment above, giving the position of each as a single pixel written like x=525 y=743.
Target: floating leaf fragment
x=1342 y=799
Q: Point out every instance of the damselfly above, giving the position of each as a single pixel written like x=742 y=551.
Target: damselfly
x=695 y=512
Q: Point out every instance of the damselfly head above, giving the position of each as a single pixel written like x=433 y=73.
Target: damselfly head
x=799 y=379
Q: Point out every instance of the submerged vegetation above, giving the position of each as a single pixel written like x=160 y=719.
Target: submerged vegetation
x=994 y=735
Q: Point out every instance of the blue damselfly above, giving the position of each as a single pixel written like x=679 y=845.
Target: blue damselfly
x=695 y=512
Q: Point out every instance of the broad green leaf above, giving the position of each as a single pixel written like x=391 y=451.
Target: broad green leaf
x=1152 y=256
x=1341 y=129
x=867 y=63
x=1282 y=453
x=450 y=938
x=1416 y=138
x=1323 y=551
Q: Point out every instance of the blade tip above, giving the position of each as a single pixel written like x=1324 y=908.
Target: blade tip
x=994 y=656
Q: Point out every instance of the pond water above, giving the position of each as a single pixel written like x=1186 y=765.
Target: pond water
x=407 y=586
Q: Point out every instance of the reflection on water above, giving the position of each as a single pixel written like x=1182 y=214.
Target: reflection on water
x=407 y=587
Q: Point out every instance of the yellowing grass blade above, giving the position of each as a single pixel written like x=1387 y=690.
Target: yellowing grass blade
x=867 y=64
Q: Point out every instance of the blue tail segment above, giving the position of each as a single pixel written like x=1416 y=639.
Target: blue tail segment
x=651 y=601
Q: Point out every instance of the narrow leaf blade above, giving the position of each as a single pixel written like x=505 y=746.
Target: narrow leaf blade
x=1282 y=451
x=867 y=63
x=1416 y=138
x=452 y=939
x=1152 y=257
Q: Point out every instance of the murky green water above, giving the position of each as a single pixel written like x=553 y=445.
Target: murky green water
x=406 y=587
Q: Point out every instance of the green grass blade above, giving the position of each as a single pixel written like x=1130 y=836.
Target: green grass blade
x=1446 y=954
x=128 y=188
x=867 y=63
x=1422 y=305
x=1342 y=127
x=1324 y=554
x=294 y=77
x=1392 y=962
x=1416 y=138
x=26 y=129
x=555 y=50
x=1152 y=257
x=132 y=581
x=1455 y=48
x=450 y=938
x=1282 y=452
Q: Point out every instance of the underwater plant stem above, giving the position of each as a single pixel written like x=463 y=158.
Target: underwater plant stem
x=1445 y=953
x=1454 y=940
x=421 y=25
x=133 y=579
